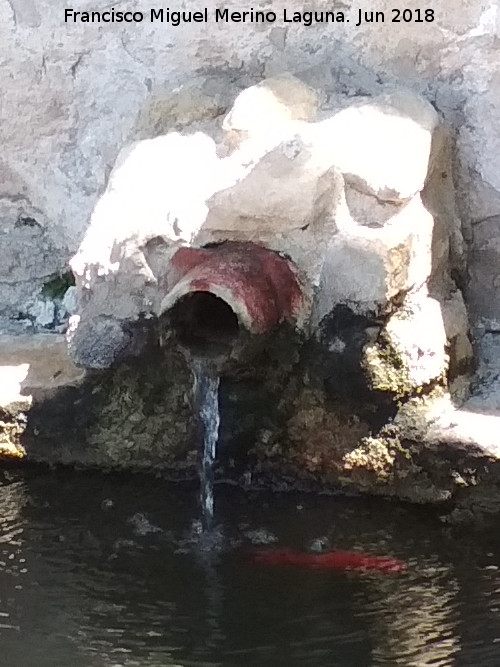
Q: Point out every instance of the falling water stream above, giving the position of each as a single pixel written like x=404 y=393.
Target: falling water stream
x=207 y=399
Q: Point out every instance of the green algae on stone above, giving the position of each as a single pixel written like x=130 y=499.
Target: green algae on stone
x=388 y=370
x=56 y=286
x=12 y=428
x=145 y=416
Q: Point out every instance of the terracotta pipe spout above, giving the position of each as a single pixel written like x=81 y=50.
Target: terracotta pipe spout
x=217 y=293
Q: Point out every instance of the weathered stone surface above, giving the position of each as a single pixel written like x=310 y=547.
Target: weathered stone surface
x=411 y=353
x=457 y=328
x=377 y=293
x=53 y=412
x=119 y=420
x=75 y=93
x=475 y=424
x=271 y=103
x=43 y=312
x=351 y=249
x=28 y=255
x=483 y=291
x=33 y=363
x=368 y=267
x=195 y=105
x=287 y=188
x=100 y=345
x=266 y=112
x=155 y=199
x=69 y=301
x=382 y=147
x=33 y=368
x=157 y=188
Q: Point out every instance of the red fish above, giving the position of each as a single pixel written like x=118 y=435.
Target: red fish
x=330 y=560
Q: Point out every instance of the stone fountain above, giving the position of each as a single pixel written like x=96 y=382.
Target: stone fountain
x=315 y=256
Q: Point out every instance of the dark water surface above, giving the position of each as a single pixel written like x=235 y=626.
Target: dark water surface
x=112 y=571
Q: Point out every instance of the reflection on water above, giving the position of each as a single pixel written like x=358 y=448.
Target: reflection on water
x=111 y=571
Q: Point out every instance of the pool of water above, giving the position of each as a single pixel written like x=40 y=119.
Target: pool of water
x=114 y=571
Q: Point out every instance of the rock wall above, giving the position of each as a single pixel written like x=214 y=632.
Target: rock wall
x=74 y=93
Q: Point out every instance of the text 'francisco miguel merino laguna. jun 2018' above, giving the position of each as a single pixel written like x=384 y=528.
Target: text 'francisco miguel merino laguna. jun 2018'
x=223 y=15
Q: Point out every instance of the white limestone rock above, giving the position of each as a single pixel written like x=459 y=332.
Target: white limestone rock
x=287 y=188
x=265 y=111
x=370 y=267
x=157 y=187
x=156 y=193
x=382 y=146
x=410 y=351
x=417 y=334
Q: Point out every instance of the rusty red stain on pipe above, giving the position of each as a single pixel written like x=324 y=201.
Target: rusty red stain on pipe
x=259 y=285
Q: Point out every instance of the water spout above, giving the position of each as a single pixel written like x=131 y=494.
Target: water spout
x=218 y=295
x=207 y=398
x=204 y=323
x=218 y=299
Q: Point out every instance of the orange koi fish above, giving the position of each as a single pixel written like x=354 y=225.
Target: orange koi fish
x=330 y=560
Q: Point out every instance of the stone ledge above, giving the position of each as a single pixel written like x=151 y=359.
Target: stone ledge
x=32 y=367
x=34 y=363
x=473 y=427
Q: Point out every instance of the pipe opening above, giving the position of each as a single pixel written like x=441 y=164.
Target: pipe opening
x=204 y=323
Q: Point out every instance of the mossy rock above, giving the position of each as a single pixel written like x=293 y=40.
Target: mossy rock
x=57 y=286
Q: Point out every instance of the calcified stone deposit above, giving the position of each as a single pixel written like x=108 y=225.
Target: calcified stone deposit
x=361 y=201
